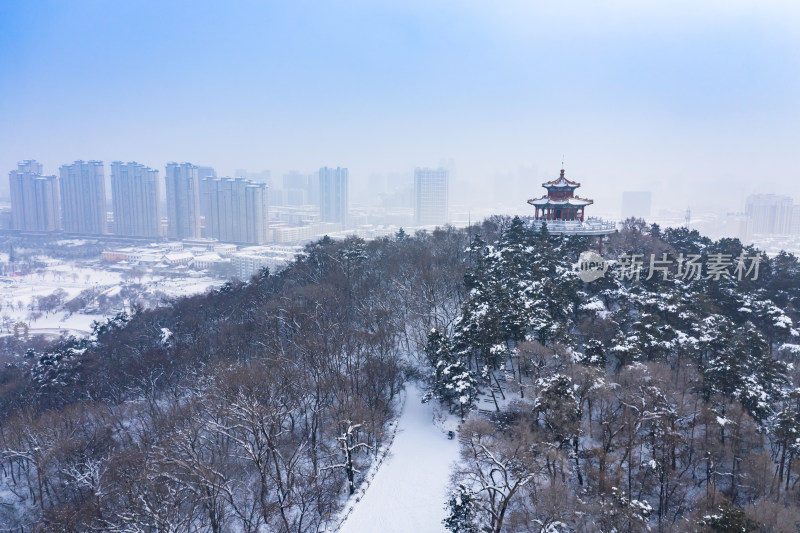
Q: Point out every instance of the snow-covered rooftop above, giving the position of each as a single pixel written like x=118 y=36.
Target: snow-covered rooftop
x=561 y=182
x=575 y=201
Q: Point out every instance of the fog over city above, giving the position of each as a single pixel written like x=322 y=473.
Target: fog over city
x=695 y=102
x=429 y=266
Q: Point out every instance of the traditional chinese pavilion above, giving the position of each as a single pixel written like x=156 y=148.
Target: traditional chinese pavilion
x=561 y=203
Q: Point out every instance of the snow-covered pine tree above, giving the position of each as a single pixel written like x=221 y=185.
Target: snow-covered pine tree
x=451 y=382
x=461 y=507
x=744 y=370
x=557 y=407
x=594 y=353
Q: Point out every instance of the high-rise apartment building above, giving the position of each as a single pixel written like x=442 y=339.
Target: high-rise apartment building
x=35 y=199
x=183 y=201
x=135 y=198
x=431 y=193
x=769 y=214
x=83 y=197
x=235 y=210
x=333 y=195
x=257 y=213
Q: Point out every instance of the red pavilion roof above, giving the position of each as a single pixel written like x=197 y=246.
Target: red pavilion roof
x=561 y=182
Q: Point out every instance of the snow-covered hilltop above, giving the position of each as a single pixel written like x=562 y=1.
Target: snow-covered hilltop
x=661 y=396
x=628 y=403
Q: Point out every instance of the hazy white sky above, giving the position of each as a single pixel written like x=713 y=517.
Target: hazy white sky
x=697 y=101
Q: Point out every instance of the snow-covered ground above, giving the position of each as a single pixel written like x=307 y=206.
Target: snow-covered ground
x=18 y=292
x=409 y=491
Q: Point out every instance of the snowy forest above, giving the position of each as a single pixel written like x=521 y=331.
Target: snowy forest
x=617 y=405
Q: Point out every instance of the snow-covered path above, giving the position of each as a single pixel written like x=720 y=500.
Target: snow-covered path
x=409 y=491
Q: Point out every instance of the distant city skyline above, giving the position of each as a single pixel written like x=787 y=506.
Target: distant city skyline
x=771 y=214
x=513 y=188
x=684 y=99
x=303 y=206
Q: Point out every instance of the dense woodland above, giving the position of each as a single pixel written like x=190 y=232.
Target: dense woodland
x=627 y=404
x=620 y=405
x=254 y=408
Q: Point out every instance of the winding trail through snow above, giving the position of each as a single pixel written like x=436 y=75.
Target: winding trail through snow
x=410 y=489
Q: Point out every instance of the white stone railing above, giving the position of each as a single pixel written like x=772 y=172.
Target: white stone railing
x=591 y=226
